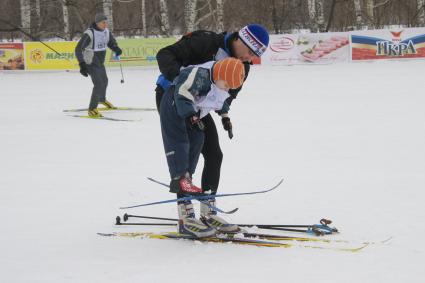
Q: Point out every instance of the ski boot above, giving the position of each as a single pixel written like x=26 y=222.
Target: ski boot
x=108 y=104
x=94 y=113
x=189 y=225
x=184 y=185
x=209 y=217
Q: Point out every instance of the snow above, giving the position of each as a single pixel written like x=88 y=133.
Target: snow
x=348 y=139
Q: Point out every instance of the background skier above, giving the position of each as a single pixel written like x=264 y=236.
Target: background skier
x=91 y=52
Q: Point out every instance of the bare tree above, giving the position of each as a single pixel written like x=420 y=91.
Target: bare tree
x=320 y=14
x=165 y=23
x=331 y=15
x=65 y=13
x=421 y=14
x=143 y=15
x=190 y=14
x=358 y=13
x=220 y=16
x=311 y=4
x=316 y=14
x=107 y=10
x=26 y=15
x=37 y=9
x=369 y=12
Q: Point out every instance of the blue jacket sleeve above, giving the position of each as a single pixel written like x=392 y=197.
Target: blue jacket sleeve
x=190 y=84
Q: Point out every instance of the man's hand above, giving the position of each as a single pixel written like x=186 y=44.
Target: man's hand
x=227 y=125
x=83 y=69
x=118 y=51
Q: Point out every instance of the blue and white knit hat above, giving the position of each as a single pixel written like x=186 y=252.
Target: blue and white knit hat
x=256 y=37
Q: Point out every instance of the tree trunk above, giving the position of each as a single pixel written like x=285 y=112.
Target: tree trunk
x=65 y=13
x=274 y=17
x=145 y=30
x=38 y=12
x=358 y=13
x=190 y=15
x=320 y=15
x=421 y=13
x=316 y=14
x=311 y=4
x=26 y=15
x=37 y=7
x=331 y=15
x=220 y=15
x=107 y=10
x=369 y=12
x=163 y=11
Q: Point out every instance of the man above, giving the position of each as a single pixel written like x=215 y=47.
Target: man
x=199 y=47
x=91 y=52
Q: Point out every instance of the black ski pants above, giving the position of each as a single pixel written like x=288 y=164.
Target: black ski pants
x=100 y=83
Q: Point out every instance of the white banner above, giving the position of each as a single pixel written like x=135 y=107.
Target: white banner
x=323 y=48
x=313 y=48
x=281 y=50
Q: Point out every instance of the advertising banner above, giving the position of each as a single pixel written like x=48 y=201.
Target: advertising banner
x=323 y=48
x=281 y=51
x=312 y=48
x=138 y=52
x=388 y=44
x=12 y=56
x=40 y=57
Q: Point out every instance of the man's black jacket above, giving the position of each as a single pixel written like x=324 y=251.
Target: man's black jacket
x=195 y=48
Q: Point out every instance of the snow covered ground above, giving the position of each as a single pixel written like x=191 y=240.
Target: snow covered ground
x=349 y=139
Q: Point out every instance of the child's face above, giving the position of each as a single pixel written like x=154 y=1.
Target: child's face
x=223 y=85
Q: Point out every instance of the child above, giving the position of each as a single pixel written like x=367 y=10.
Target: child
x=194 y=93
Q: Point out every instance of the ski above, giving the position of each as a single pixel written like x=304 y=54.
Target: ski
x=105 y=118
x=233 y=240
x=112 y=109
x=213 y=207
x=305 y=239
x=204 y=197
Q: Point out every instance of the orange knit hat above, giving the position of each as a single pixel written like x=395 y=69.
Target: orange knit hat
x=230 y=70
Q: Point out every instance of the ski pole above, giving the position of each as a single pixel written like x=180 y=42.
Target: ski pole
x=146 y=224
x=118 y=222
x=127 y=216
x=122 y=74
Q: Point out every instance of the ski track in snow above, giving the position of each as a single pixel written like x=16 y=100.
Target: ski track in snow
x=348 y=139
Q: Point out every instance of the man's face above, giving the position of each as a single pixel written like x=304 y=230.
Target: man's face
x=242 y=52
x=102 y=25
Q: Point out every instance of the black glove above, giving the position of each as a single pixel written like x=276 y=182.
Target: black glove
x=83 y=69
x=194 y=122
x=118 y=51
x=227 y=125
